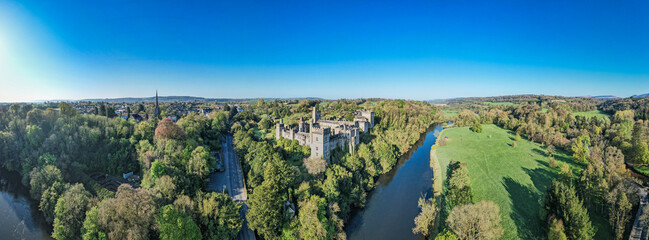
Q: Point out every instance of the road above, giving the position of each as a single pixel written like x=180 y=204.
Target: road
x=636 y=231
x=232 y=181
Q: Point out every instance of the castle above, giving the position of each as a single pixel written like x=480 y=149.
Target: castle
x=325 y=135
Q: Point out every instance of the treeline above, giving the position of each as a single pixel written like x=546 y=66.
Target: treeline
x=55 y=150
x=312 y=198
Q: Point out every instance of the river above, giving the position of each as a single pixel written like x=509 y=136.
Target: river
x=392 y=205
x=19 y=214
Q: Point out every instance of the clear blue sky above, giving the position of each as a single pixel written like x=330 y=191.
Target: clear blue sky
x=331 y=49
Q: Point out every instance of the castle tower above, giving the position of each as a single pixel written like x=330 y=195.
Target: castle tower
x=301 y=126
x=156 y=112
x=278 y=129
x=316 y=115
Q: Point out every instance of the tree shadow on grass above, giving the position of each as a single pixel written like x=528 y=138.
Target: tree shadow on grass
x=525 y=206
x=540 y=152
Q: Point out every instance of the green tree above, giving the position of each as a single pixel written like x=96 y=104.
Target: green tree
x=556 y=231
x=49 y=198
x=477 y=127
x=67 y=110
x=219 y=216
x=174 y=224
x=580 y=149
x=129 y=215
x=313 y=222
x=620 y=214
x=562 y=202
x=90 y=229
x=459 y=186
x=42 y=178
x=425 y=221
x=70 y=213
x=264 y=215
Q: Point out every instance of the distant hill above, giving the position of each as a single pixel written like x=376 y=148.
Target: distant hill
x=641 y=95
x=182 y=99
x=603 y=97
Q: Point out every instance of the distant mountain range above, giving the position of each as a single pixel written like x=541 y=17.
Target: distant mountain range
x=601 y=97
x=641 y=95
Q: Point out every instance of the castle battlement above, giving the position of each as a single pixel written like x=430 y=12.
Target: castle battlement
x=325 y=135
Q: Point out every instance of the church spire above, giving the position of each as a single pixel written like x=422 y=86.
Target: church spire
x=156 y=112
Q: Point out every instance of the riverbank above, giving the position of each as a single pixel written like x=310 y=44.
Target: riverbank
x=392 y=204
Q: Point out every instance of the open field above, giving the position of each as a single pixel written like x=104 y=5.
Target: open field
x=515 y=178
x=449 y=113
x=594 y=113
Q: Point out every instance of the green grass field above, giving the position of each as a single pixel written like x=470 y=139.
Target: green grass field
x=515 y=178
x=449 y=113
x=594 y=113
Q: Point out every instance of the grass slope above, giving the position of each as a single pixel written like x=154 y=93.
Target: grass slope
x=514 y=178
x=594 y=113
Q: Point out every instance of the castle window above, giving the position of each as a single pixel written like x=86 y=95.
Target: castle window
x=316 y=148
x=316 y=138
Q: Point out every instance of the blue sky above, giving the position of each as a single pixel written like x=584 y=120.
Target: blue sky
x=331 y=49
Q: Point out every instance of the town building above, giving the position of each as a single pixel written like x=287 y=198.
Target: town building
x=325 y=135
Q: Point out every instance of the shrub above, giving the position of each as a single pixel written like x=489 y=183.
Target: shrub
x=553 y=163
x=514 y=144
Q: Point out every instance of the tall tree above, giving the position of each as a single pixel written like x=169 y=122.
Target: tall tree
x=176 y=225
x=70 y=213
x=479 y=221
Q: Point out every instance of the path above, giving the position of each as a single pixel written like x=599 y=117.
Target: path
x=637 y=230
x=232 y=181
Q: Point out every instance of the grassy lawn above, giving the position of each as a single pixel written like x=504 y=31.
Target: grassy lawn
x=449 y=113
x=514 y=178
x=264 y=134
x=594 y=113
x=644 y=170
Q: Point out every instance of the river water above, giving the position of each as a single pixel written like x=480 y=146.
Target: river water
x=19 y=215
x=392 y=205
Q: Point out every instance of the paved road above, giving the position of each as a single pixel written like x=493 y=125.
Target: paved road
x=232 y=180
x=636 y=231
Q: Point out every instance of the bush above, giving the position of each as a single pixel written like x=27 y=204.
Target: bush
x=477 y=127
x=553 y=163
x=514 y=144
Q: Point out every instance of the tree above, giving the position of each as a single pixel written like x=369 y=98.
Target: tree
x=313 y=222
x=129 y=215
x=167 y=129
x=476 y=221
x=198 y=164
x=49 y=198
x=553 y=163
x=562 y=202
x=70 y=213
x=219 y=216
x=477 y=127
x=425 y=221
x=640 y=149
x=264 y=215
x=459 y=186
x=174 y=224
x=580 y=149
x=90 y=229
x=550 y=150
x=42 y=178
x=67 y=110
x=556 y=231
x=446 y=235
x=620 y=214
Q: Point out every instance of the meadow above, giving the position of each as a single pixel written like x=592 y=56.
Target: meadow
x=594 y=113
x=515 y=178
